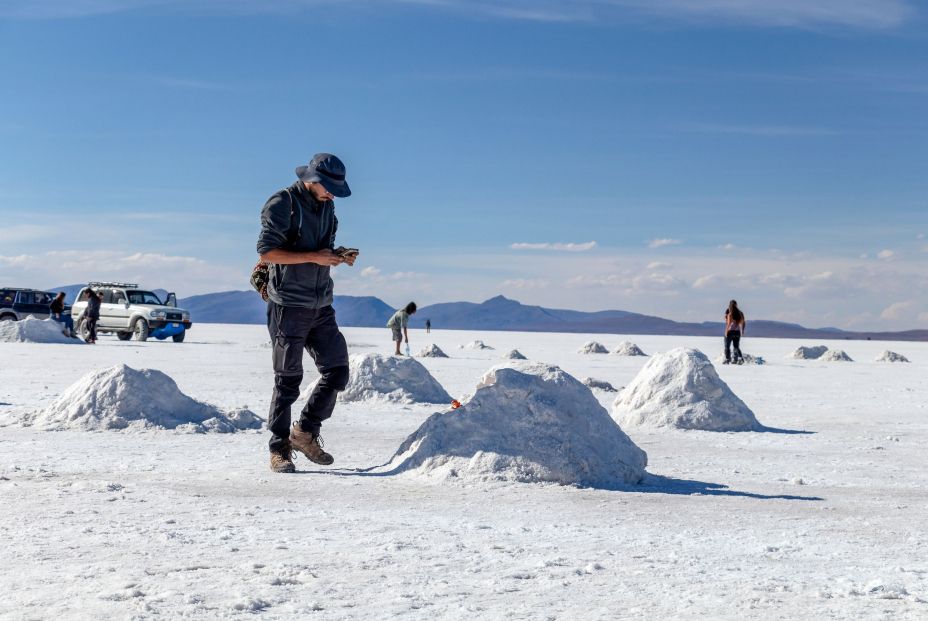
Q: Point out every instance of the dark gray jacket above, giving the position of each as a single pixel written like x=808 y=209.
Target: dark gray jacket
x=304 y=284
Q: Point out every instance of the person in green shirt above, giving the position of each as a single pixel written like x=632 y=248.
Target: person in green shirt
x=399 y=323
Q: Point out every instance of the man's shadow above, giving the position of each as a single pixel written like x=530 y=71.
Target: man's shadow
x=651 y=484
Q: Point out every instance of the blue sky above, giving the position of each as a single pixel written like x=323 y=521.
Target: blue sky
x=659 y=157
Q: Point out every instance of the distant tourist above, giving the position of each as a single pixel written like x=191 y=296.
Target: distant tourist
x=56 y=310
x=428 y=326
x=297 y=241
x=734 y=330
x=399 y=324
x=92 y=315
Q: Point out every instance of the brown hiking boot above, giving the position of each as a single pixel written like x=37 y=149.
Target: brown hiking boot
x=309 y=445
x=282 y=460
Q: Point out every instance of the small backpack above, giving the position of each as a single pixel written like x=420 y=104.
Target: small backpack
x=260 y=273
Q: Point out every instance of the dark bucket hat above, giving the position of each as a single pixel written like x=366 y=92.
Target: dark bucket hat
x=328 y=170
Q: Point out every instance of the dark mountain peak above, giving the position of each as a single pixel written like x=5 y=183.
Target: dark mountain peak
x=501 y=300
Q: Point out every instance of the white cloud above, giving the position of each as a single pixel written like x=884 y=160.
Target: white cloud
x=727 y=247
x=27 y=232
x=886 y=255
x=899 y=311
x=370 y=272
x=186 y=275
x=569 y=247
x=629 y=283
x=707 y=281
x=659 y=265
x=663 y=241
x=525 y=283
x=21 y=260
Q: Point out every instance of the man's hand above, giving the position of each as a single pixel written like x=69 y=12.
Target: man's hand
x=327 y=258
x=350 y=258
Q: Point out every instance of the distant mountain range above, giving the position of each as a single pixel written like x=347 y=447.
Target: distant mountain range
x=501 y=313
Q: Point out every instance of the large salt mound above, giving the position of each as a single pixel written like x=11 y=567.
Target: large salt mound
x=476 y=345
x=891 y=356
x=836 y=355
x=627 y=348
x=526 y=422
x=432 y=351
x=515 y=354
x=121 y=397
x=32 y=330
x=592 y=347
x=396 y=379
x=809 y=353
x=681 y=389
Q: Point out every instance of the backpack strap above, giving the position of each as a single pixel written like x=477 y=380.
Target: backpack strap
x=294 y=233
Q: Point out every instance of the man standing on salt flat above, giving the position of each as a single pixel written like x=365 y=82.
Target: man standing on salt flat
x=297 y=239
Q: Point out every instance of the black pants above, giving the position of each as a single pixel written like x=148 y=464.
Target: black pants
x=92 y=328
x=733 y=337
x=292 y=330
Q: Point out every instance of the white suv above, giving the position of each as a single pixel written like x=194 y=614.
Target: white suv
x=127 y=310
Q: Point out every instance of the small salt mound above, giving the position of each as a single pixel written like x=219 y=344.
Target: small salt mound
x=809 y=353
x=526 y=422
x=432 y=351
x=476 y=345
x=396 y=379
x=681 y=389
x=891 y=356
x=748 y=359
x=515 y=354
x=121 y=397
x=599 y=385
x=592 y=347
x=835 y=355
x=627 y=348
x=32 y=330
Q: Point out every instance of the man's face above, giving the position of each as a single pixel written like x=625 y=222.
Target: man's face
x=319 y=192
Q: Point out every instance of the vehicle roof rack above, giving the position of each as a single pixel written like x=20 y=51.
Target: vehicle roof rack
x=128 y=285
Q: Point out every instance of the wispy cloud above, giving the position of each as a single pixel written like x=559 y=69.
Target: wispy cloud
x=856 y=14
x=525 y=283
x=900 y=311
x=187 y=275
x=768 y=131
x=570 y=247
x=663 y=241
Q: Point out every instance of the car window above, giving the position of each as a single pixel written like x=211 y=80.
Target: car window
x=26 y=297
x=143 y=297
x=6 y=296
x=107 y=296
x=119 y=297
x=43 y=298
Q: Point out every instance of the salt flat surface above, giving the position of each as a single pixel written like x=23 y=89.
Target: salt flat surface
x=828 y=524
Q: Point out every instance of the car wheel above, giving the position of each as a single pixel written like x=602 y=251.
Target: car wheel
x=140 y=329
x=124 y=336
x=83 y=330
x=7 y=317
x=179 y=338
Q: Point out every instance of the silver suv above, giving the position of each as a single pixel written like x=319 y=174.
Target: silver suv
x=127 y=310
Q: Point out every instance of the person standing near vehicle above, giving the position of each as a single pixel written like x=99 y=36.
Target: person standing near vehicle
x=734 y=330
x=56 y=310
x=399 y=325
x=297 y=240
x=428 y=326
x=92 y=315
